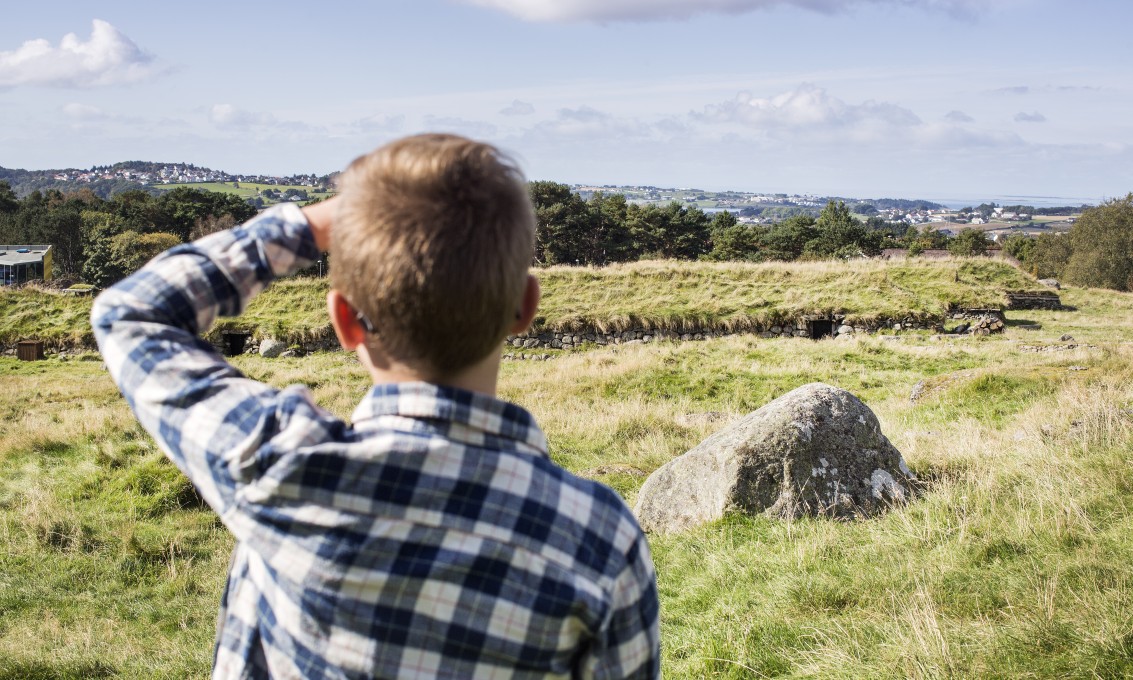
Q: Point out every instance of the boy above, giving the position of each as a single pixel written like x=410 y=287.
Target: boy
x=432 y=537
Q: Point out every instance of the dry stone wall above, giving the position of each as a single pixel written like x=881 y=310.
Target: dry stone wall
x=802 y=328
x=1033 y=299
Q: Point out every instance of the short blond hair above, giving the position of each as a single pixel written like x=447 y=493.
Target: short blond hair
x=432 y=243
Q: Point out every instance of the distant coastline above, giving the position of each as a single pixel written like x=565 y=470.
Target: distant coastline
x=1034 y=201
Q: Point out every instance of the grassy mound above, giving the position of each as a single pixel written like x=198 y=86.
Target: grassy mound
x=738 y=296
x=658 y=295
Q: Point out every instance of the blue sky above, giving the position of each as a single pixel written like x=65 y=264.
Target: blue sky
x=925 y=98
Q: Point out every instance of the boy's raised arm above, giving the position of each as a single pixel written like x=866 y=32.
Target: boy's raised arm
x=321 y=217
x=206 y=416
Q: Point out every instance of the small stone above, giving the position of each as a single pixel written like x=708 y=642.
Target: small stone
x=1067 y=338
x=271 y=348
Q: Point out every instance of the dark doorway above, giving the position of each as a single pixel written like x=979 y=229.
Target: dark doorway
x=820 y=328
x=234 y=342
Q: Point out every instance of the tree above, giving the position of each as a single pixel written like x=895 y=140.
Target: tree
x=1101 y=245
x=132 y=250
x=969 y=242
x=671 y=232
x=724 y=219
x=839 y=234
x=561 y=224
x=8 y=201
x=611 y=238
x=180 y=209
x=1049 y=256
x=1019 y=246
x=737 y=242
x=101 y=267
x=785 y=241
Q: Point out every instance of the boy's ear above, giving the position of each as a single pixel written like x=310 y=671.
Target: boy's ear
x=528 y=306
x=344 y=319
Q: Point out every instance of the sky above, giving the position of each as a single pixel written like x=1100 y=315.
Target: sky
x=938 y=99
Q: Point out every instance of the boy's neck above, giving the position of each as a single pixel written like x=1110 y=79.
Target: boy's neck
x=480 y=377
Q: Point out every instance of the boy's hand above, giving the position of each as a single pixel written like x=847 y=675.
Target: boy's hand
x=321 y=218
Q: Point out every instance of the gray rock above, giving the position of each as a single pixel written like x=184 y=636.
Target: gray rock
x=844 y=330
x=817 y=450
x=272 y=348
x=1051 y=283
x=1066 y=338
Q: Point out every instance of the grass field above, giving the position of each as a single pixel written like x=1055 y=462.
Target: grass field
x=245 y=190
x=1017 y=561
x=659 y=295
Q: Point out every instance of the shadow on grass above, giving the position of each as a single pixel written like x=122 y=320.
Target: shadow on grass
x=37 y=670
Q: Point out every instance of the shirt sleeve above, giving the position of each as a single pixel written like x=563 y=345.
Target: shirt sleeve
x=205 y=415
x=630 y=645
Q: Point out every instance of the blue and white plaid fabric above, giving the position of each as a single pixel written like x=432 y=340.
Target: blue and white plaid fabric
x=433 y=537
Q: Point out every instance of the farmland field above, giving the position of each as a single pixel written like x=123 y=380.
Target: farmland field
x=245 y=190
x=1016 y=561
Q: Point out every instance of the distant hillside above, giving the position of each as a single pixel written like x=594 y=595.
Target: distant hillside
x=24 y=182
x=107 y=180
x=659 y=295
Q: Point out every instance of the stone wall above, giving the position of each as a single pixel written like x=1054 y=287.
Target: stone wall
x=547 y=339
x=1033 y=299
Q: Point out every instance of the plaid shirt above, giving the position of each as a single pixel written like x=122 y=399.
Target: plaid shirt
x=433 y=537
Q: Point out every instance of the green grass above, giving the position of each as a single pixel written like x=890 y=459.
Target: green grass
x=245 y=190
x=29 y=313
x=732 y=296
x=657 y=295
x=1017 y=561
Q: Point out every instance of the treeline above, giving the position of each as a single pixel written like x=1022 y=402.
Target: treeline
x=99 y=240
x=606 y=228
x=1097 y=252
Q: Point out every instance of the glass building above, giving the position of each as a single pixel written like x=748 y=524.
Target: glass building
x=20 y=264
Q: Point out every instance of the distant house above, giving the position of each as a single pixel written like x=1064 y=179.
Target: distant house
x=20 y=264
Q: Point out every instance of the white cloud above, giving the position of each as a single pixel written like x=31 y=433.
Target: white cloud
x=807 y=106
x=107 y=58
x=260 y=125
x=471 y=128
x=380 y=123
x=1036 y=117
x=518 y=108
x=228 y=116
x=586 y=123
x=1014 y=89
x=958 y=117
x=656 y=10
x=84 y=112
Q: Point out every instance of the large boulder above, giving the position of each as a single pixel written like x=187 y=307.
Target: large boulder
x=817 y=450
x=272 y=348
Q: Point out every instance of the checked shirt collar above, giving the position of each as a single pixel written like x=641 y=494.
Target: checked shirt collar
x=469 y=417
